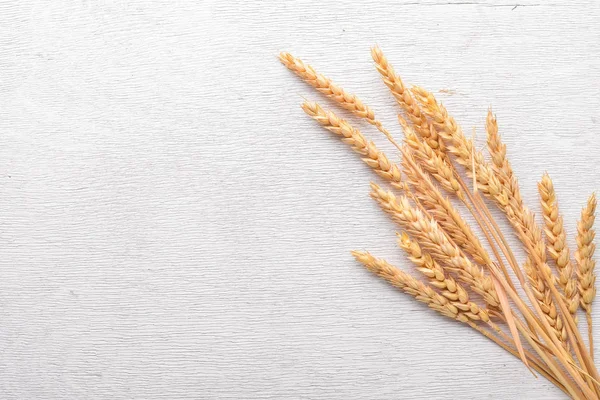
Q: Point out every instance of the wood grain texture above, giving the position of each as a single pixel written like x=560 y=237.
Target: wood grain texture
x=172 y=226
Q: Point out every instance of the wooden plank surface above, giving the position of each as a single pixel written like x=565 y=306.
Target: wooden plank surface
x=173 y=227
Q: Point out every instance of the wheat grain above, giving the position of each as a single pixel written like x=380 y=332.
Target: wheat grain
x=496 y=147
x=504 y=191
x=449 y=288
x=453 y=309
x=584 y=254
x=506 y=194
x=326 y=86
x=544 y=298
x=586 y=275
x=442 y=210
x=440 y=168
x=370 y=154
x=510 y=201
x=458 y=145
x=405 y=100
x=557 y=243
x=538 y=271
x=436 y=242
x=500 y=163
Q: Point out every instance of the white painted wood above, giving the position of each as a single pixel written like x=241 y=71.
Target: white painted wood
x=172 y=226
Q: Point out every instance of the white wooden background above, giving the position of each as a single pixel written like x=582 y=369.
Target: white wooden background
x=173 y=227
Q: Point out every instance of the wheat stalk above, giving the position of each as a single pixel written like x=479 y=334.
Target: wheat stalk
x=461 y=309
x=497 y=180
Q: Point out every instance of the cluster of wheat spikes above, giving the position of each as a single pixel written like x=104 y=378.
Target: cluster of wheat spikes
x=527 y=307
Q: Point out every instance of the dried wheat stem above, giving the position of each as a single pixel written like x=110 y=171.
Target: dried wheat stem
x=536 y=363
x=556 y=239
x=443 y=244
x=536 y=268
x=446 y=174
x=370 y=154
x=506 y=176
x=449 y=308
x=576 y=341
x=506 y=195
x=464 y=151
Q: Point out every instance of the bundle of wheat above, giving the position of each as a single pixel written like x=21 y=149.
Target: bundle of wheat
x=525 y=307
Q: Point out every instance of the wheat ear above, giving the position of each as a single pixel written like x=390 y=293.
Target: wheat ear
x=449 y=288
x=406 y=101
x=556 y=239
x=374 y=158
x=500 y=163
x=536 y=268
x=326 y=86
x=442 y=210
x=436 y=242
x=585 y=263
x=458 y=145
x=584 y=254
x=422 y=292
x=439 y=167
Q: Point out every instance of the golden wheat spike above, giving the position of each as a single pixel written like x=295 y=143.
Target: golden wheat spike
x=556 y=239
x=327 y=87
x=585 y=252
x=406 y=101
x=371 y=155
x=420 y=291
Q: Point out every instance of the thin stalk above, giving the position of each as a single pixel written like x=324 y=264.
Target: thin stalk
x=536 y=363
x=574 y=392
x=588 y=317
x=544 y=330
x=489 y=240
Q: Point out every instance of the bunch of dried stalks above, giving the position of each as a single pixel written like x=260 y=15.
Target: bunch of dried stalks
x=528 y=307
